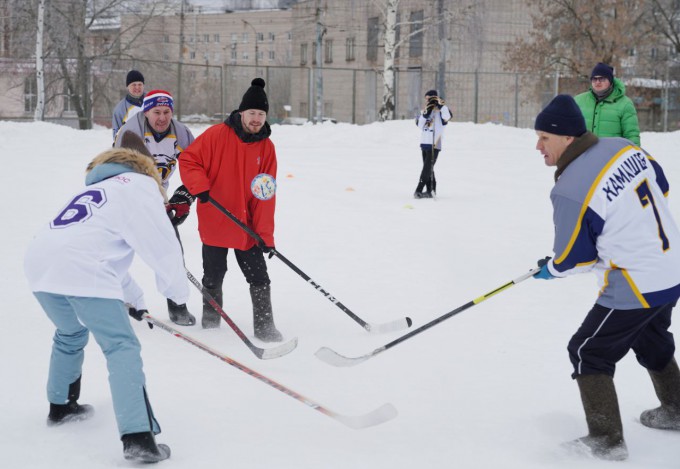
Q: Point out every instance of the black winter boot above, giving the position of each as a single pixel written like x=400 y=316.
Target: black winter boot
x=142 y=448
x=211 y=318
x=179 y=314
x=605 y=431
x=71 y=411
x=263 y=318
x=667 y=387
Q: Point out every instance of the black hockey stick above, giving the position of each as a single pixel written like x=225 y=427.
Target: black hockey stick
x=333 y=358
x=385 y=327
x=263 y=354
x=381 y=414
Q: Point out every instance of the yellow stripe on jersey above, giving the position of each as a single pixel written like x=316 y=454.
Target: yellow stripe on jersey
x=586 y=203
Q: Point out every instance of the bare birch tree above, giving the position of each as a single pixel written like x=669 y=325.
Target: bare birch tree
x=39 y=63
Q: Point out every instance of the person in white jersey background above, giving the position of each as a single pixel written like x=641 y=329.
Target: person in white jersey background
x=165 y=139
x=611 y=217
x=431 y=122
x=77 y=268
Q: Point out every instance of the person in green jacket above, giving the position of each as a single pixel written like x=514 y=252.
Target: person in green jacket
x=606 y=108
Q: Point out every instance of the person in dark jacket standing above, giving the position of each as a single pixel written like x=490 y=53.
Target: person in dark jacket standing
x=235 y=164
x=131 y=104
x=611 y=217
x=607 y=110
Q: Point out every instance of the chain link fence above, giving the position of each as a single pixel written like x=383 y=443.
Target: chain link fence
x=207 y=93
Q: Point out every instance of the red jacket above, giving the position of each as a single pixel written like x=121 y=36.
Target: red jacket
x=219 y=161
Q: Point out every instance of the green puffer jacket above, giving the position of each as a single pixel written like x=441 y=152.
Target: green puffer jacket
x=614 y=116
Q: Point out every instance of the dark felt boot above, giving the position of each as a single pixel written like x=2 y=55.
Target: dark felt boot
x=211 y=318
x=142 y=448
x=667 y=387
x=605 y=431
x=71 y=411
x=263 y=318
x=179 y=314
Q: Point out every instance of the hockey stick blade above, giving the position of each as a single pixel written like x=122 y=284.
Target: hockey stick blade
x=380 y=415
x=391 y=326
x=278 y=351
x=332 y=357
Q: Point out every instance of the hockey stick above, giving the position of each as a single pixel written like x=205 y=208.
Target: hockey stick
x=333 y=358
x=263 y=354
x=380 y=415
x=385 y=327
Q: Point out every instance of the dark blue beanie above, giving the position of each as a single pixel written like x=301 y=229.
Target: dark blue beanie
x=603 y=70
x=561 y=116
x=133 y=76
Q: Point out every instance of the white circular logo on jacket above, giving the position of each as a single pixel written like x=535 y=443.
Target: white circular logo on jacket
x=263 y=186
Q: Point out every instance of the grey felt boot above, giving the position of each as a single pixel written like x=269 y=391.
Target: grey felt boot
x=211 y=318
x=263 y=318
x=142 y=448
x=179 y=314
x=667 y=387
x=605 y=431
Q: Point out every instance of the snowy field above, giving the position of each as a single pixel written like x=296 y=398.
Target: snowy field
x=489 y=388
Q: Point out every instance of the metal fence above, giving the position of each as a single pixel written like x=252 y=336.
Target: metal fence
x=206 y=93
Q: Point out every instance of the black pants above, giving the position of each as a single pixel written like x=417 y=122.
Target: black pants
x=251 y=262
x=427 y=178
x=607 y=335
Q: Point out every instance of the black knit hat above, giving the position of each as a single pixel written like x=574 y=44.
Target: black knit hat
x=133 y=76
x=561 y=116
x=432 y=93
x=255 y=97
x=603 y=70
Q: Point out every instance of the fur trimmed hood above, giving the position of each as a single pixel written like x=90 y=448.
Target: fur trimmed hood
x=130 y=160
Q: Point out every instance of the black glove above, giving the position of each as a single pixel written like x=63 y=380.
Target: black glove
x=203 y=196
x=266 y=249
x=178 y=205
x=138 y=314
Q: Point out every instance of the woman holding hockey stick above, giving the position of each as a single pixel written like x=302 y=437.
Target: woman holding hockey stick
x=77 y=267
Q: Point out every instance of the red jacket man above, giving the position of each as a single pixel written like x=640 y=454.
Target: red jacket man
x=235 y=164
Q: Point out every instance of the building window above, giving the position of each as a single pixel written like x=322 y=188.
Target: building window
x=315 y=47
x=271 y=37
x=192 y=55
x=272 y=55
x=372 y=39
x=304 y=49
x=68 y=103
x=166 y=38
x=206 y=38
x=328 y=51
x=260 y=37
x=234 y=55
x=216 y=37
x=416 y=42
x=30 y=94
x=260 y=55
x=245 y=56
x=244 y=38
x=350 y=44
x=290 y=36
x=234 y=38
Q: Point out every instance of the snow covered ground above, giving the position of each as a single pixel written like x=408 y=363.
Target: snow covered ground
x=489 y=388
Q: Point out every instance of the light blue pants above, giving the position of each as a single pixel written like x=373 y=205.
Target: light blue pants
x=108 y=320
